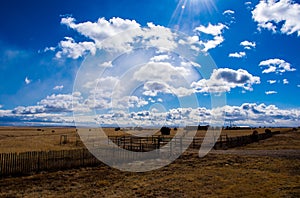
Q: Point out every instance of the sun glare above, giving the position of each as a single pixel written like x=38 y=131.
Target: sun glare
x=183 y=17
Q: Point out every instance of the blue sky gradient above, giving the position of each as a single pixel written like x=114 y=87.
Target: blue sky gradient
x=43 y=44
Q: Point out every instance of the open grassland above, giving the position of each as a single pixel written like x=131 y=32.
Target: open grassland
x=215 y=175
x=21 y=139
x=283 y=141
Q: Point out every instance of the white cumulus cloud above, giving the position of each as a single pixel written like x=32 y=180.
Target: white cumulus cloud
x=276 y=65
x=58 y=87
x=270 y=92
x=214 y=30
x=160 y=58
x=251 y=114
x=102 y=35
x=74 y=50
x=271 y=81
x=285 y=81
x=106 y=64
x=269 y=14
x=98 y=32
x=160 y=71
x=225 y=79
x=228 y=12
x=248 y=44
x=27 y=80
x=237 y=55
x=102 y=29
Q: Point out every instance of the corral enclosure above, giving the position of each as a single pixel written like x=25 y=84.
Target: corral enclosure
x=23 y=139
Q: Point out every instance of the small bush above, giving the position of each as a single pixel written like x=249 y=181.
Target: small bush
x=268 y=131
x=165 y=130
x=117 y=129
x=175 y=129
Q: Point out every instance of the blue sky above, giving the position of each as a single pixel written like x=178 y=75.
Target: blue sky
x=221 y=61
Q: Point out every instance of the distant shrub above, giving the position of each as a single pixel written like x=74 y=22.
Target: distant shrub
x=175 y=128
x=203 y=127
x=117 y=129
x=295 y=129
x=254 y=136
x=268 y=131
x=165 y=130
x=53 y=131
x=138 y=128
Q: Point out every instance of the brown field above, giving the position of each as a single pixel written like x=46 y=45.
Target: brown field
x=21 y=139
x=231 y=173
x=219 y=174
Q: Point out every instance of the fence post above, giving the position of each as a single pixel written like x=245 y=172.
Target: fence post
x=194 y=142
x=159 y=139
x=141 y=149
x=1 y=165
x=38 y=162
x=171 y=147
x=180 y=144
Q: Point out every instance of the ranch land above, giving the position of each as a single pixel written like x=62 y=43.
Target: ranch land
x=266 y=168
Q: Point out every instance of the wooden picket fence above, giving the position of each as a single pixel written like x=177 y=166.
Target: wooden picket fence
x=33 y=162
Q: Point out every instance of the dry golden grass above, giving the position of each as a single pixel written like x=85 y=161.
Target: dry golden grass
x=22 y=139
x=234 y=133
x=189 y=176
x=215 y=175
x=285 y=140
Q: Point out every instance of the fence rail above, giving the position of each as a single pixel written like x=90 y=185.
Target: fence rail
x=33 y=162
